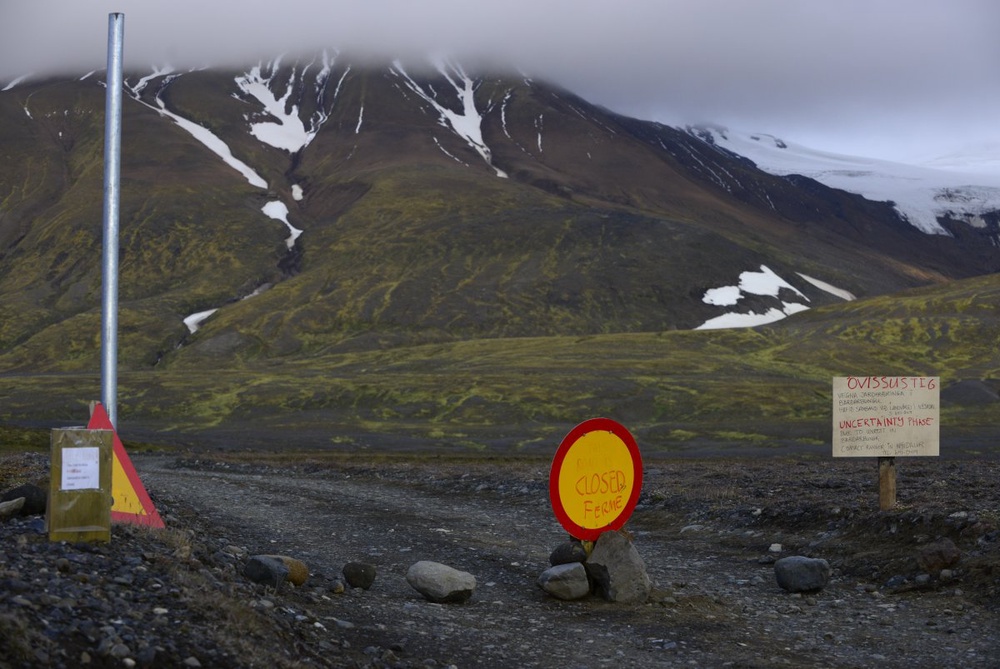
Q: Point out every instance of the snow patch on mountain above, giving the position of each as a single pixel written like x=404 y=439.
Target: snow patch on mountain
x=144 y=81
x=287 y=130
x=194 y=321
x=919 y=193
x=845 y=295
x=766 y=283
x=279 y=212
x=202 y=134
x=466 y=123
x=16 y=81
x=214 y=144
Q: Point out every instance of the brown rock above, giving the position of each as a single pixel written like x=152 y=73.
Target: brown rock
x=942 y=554
x=298 y=572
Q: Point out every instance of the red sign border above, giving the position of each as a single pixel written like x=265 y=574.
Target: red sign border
x=100 y=420
x=587 y=426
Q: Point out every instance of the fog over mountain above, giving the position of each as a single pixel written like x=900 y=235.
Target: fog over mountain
x=885 y=79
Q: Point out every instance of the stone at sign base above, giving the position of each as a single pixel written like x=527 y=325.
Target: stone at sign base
x=565 y=581
x=568 y=552
x=617 y=570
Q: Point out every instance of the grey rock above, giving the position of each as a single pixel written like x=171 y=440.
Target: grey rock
x=617 y=570
x=440 y=583
x=35 y=499
x=359 y=574
x=798 y=573
x=120 y=650
x=11 y=508
x=565 y=581
x=266 y=569
x=568 y=552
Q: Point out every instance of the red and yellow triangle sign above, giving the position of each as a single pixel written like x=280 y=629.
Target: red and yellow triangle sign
x=130 y=502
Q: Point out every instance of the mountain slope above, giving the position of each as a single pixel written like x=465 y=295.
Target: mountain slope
x=763 y=388
x=434 y=205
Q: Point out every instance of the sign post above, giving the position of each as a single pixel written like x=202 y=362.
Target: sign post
x=112 y=198
x=595 y=479
x=886 y=417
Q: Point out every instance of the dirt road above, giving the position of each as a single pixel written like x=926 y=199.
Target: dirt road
x=708 y=532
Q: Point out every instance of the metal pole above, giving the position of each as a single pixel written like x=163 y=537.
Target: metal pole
x=112 y=173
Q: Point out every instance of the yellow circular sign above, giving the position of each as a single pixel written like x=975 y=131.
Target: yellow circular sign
x=596 y=477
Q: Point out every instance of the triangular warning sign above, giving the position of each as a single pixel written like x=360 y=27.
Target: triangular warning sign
x=130 y=502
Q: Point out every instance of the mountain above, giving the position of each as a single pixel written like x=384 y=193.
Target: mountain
x=307 y=211
x=938 y=197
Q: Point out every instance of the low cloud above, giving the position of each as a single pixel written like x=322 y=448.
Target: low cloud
x=896 y=75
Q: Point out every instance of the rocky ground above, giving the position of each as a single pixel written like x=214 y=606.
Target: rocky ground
x=708 y=530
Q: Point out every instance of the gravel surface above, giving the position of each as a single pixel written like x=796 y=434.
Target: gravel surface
x=708 y=530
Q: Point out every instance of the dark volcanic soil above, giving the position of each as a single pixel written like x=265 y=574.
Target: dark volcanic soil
x=708 y=530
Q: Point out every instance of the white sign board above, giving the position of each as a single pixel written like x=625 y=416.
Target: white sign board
x=81 y=468
x=886 y=416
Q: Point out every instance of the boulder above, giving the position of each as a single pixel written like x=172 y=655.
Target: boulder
x=942 y=554
x=565 y=581
x=440 y=583
x=359 y=575
x=275 y=570
x=617 y=570
x=11 y=508
x=35 y=499
x=266 y=570
x=298 y=572
x=797 y=573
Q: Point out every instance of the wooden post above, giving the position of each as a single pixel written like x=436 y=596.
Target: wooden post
x=886 y=483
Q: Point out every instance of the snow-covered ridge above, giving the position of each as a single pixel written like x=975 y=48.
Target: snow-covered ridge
x=920 y=193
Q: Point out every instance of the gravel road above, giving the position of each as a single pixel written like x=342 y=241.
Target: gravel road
x=708 y=532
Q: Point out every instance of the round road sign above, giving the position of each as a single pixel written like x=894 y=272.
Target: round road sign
x=595 y=479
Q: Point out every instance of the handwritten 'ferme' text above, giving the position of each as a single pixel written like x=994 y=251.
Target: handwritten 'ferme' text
x=596 y=488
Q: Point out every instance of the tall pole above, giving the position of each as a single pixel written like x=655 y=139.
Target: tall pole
x=112 y=192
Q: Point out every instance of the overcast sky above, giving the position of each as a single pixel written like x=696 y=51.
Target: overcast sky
x=883 y=78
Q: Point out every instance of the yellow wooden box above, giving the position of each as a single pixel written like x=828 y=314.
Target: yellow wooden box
x=79 y=507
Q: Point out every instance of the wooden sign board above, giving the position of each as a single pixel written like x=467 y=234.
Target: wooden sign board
x=886 y=416
x=595 y=479
x=79 y=507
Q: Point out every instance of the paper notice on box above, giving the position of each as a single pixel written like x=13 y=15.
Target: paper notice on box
x=81 y=468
